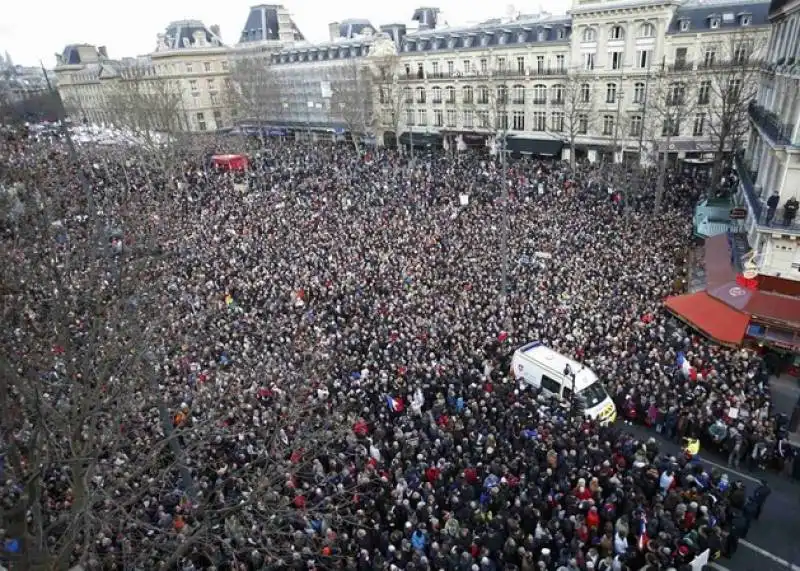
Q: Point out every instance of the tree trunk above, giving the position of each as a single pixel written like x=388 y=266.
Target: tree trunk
x=354 y=139
x=662 y=177
x=572 y=153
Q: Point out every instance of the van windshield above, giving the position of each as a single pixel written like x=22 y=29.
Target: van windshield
x=592 y=395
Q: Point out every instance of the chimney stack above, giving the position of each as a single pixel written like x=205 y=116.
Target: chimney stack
x=333 y=31
x=103 y=50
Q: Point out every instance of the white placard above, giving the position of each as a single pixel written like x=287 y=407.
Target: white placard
x=733 y=412
x=463 y=199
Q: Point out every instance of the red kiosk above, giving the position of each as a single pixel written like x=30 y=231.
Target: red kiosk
x=230 y=162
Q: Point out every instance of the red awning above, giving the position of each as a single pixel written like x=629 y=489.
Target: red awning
x=715 y=319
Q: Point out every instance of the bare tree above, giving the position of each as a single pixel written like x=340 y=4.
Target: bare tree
x=729 y=75
x=578 y=116
x=91 y=429
x=672 y=102
x=255 y=91
x=351 y=98
x=390 y=93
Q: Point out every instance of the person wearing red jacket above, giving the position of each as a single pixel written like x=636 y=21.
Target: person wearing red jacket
x=582 y=492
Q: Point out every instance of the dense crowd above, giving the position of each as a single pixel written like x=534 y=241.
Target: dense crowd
x=333 y=350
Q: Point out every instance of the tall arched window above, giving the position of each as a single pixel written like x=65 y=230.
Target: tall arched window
x=450 y=94
x=647 y=30
x=466 y=94
x=539 y=94
x=589 y=35
x=616 y=33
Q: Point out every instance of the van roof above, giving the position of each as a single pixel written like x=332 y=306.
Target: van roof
x=535 y=351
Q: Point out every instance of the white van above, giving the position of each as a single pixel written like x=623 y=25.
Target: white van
x=541 y=367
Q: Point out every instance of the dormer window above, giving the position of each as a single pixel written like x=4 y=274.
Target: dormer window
x=521 y=37
x=684 y=25
x=561 y=33
x=502 y=39
x=541 y=35
x=714 y=22
x=467 y=41
x=485 y=40
x=451 y=43
x=406 y=47
x=745 y=19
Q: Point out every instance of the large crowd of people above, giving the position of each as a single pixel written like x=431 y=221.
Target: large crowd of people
x=331 y=347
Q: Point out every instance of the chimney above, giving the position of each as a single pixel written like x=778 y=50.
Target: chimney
x=333 y=31
x=103 y=51
x=215 y=30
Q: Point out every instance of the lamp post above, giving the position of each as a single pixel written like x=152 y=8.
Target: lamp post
x=568 y=372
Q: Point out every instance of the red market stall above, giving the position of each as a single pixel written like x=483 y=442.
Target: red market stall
x=230 y=162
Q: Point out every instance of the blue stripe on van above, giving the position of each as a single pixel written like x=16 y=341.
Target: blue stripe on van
x=529 y=346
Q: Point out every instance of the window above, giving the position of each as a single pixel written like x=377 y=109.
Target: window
x=383 y=95
x=501 y=64
x=420 y=95
x=647 y=30
x=409 y=117
x=685 y=25
x=539 y=94
x=435 y=68
x=468 y=122
x=501 y=121
x=734 y=90
x=211 y=84
x=438 y=118
x=193 y=85
x=558 y=94
x=408 y=95
x=408 y=68
x=451 y=66
x=437 y=95
x=483 y=95
x=520 y=64
x=484 y=65
x=519 y=121
x=586 y=93
x=483 y=119
x=709 y=57
x=615 y=59
x=644 y=58
x=214 y=96
x=638 y=92
x=636 y=125
x=189 y=68
x=740 y=53
x=560 y=34
x=206 y=66
x=713 y=23
x=218 y=120
x=539 y=64
x=680 y=58
x=611 y=92
x=551 y=386
x=467 y=66
x=519 y=94
x=420 y=71
x=589 y=35
x=608 y=125
x=583 y=124
x=422 y=117
x=502 y=94
x=466 y=94
x=588 y=62
x=616 y=33
x=541 y=35
x=451 y=117
x=201 y=122
x=676 y=93
x=704 y=93
x=670 y=128
x=557 y=121
x=745 y=20
x=699 y=124
x=450 y=94
x=560 y=63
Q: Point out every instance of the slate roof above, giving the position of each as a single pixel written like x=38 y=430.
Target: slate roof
x=262 y=25
x=526 y=30
x=181 y=33
x=730 y=14
x=342 y=49
x=354 y=27
x=72 y=54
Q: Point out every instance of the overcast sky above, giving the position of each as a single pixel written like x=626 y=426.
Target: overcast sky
x=34 y=30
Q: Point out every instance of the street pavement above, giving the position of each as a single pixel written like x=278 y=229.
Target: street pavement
x=773 y=542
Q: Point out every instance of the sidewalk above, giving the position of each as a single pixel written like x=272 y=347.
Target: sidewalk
x=785 y=391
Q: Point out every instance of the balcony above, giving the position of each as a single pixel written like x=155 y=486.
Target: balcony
x=556 y=102
x=763 y=217
x=540 y=101
x=509 y=72
x=767 y=122
x=436 y=101
x=540 y=71
x=518 y=101
x=681 y=66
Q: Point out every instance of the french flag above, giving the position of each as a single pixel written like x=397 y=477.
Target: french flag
x=394 y=404
x=686 y=367
x=643 y=539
